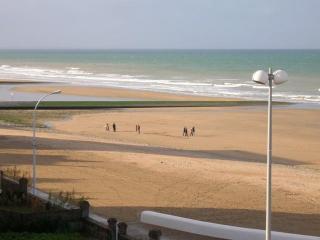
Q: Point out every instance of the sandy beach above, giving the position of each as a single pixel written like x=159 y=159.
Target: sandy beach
x=217 y=175
x=185 y=108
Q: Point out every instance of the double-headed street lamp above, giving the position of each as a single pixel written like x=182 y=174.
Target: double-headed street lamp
x=34 y=140
x=269 y=79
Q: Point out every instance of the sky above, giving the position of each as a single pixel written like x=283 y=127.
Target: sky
x=159 y=24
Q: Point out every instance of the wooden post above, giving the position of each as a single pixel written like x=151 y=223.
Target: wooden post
x=23 y=185
x=122 y=226
x=155 y=234
x=85 y=207
x=112 y=222
x=1 y=177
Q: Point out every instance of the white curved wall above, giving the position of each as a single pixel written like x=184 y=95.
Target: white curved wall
x=214 y=230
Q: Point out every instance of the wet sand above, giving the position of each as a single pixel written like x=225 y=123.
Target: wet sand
x=116 y=92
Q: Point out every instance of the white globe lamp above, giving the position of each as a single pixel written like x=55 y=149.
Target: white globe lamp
x=280 y=77
x=260 y=77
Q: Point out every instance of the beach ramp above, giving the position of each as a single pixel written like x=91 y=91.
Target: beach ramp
x=214 y=230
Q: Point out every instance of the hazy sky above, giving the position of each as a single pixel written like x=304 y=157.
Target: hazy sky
x=108 y=24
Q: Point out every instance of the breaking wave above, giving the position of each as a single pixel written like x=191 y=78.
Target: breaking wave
x=219 y=87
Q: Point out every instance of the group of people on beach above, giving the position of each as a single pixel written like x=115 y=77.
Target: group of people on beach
x=185 y=131
x=192 y=132
x=114 y=127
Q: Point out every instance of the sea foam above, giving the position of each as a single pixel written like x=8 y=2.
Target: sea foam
x=217 y=87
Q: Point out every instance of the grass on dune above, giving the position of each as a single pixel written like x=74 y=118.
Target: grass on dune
x=127 y=104
x=23 y=118
x=123 y=104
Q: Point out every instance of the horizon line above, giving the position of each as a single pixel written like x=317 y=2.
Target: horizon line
x=148 y=49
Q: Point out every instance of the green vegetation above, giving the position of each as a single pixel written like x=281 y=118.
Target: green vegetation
x=18 y=209
x=23 y=118
x=41 y=236
x=141 y=104
x=12 y=117
x=128 y=104
x=61 y=198
x=15 y=173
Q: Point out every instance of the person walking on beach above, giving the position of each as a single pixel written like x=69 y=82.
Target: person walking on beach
x=138 y=128
x=107 y=126
x=114 y=127
x=193 y=131
x=185 y=132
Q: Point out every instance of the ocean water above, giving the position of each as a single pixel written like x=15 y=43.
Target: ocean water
x=222 y=73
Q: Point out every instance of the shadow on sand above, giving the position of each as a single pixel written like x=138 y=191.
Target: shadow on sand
x=22 y=142
x=286 y=222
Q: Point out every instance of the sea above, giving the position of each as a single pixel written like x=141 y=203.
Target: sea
x=218 y=73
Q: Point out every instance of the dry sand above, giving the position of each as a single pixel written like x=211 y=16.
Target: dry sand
x=218 y=175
